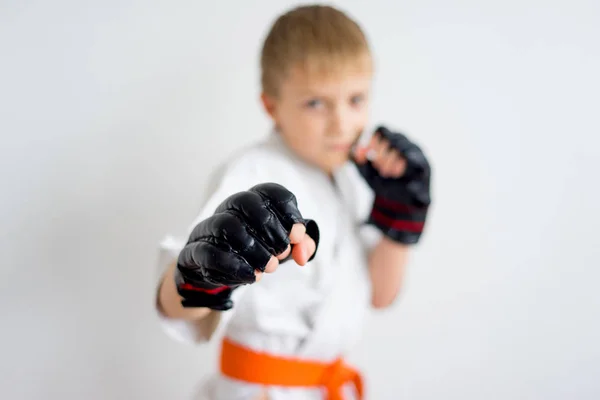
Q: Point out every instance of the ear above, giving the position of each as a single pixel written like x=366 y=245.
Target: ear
x=268 y=104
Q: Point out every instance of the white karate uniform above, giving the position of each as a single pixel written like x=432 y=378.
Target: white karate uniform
x=314 y=312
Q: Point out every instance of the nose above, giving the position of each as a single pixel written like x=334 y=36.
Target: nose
x=339 y=121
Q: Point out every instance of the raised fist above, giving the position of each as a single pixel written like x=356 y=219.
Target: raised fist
x=248 y=235
x=400 y=175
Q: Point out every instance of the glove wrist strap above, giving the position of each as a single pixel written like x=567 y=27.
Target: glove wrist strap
x=403 y=223
x=203 y=294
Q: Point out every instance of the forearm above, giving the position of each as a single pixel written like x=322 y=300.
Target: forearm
x=169 y=301
x=387 y=263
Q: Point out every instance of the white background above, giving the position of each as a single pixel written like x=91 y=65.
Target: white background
x=113 y=113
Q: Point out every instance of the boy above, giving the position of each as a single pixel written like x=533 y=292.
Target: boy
x=285 y=335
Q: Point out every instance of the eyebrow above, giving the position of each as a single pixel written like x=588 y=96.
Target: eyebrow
x=305 y=92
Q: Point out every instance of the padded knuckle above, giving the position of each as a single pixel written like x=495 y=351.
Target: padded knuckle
x=274 y=192
x=242 y=201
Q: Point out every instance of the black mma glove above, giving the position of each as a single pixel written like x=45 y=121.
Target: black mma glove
x=401 y=204
x=224 y=250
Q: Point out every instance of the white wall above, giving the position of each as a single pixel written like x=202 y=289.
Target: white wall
x=112 y=114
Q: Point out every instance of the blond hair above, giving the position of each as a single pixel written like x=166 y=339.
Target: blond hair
x=320 y=39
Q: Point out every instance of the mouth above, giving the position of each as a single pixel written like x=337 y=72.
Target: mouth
x=340 y=147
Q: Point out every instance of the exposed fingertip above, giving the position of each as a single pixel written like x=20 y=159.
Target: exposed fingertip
x=286 y=253
x=272 y=265
x=297 y=233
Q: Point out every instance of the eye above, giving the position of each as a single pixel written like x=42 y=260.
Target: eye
x=357 y=99
x=314 y=103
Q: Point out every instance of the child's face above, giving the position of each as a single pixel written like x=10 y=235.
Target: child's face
x=320 y=118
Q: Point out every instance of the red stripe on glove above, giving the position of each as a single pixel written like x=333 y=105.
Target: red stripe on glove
x=401 y=225
x=187 y=286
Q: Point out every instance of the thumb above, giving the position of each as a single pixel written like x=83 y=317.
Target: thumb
x=304 y=250
x=359 y=154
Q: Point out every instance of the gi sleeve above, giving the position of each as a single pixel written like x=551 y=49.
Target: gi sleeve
x=240 y=176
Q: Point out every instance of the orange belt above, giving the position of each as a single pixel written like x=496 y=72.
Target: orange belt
x=241 y=363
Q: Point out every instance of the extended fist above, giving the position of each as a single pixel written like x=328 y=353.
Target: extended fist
x=400 y=175
x=248 y=235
